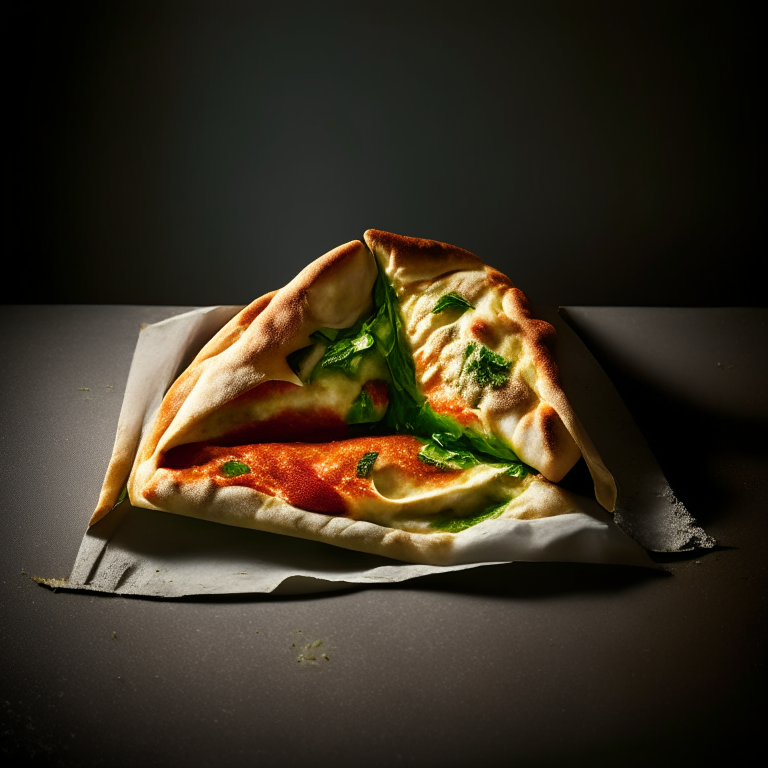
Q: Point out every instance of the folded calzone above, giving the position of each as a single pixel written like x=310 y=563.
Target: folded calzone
x=394 y=395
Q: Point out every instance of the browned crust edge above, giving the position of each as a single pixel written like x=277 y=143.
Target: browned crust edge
x=119 y=462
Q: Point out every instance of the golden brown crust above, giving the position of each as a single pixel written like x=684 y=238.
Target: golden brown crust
x=234 y=329
x=331 y=292
x=419 y=258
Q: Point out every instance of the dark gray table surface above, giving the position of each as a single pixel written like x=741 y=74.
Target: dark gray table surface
x=525 y=664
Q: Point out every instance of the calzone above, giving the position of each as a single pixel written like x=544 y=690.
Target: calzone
x=396 y=394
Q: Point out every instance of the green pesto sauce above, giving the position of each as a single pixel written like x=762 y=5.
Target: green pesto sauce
x=458 y=524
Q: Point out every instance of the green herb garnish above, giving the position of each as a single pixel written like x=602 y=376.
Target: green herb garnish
x=485 y=366
x=447 y=451
x=365 y=465
x=235 y=469
x=345 y=353
x=517 y=469
x=451 y=299
x=362 y=410
x=437 y=455
x=404 y=396
x=458 y=524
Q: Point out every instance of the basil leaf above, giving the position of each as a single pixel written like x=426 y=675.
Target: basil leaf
x=458 y=524
x=362 y=411
x=485 y=366
x=405 y=399
x=468 y=440
x=517 y=469
x=123 y=494
x=365 y=465
x=383 y=330
x=444 y=439
x=235 y=469
x=342 y=353
x=451 y=299
x=444 y=458
x=490 y=445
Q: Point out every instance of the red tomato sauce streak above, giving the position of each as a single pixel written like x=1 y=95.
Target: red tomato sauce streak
x=316 y=477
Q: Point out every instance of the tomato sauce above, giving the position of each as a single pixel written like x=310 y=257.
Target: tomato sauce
x=378 y=391
x=319 y=425
x=318 y=477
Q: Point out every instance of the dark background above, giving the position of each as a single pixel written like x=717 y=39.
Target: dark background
x=188 y=154
x=202 y=153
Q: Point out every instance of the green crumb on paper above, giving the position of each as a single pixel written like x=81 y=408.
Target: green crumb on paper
x=308 y=653
x=114 y=635
x=83 y=389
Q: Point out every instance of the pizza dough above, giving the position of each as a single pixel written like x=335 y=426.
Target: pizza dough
x=346 y=408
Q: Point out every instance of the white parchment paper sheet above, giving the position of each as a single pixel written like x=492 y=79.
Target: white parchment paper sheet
x=144 y=552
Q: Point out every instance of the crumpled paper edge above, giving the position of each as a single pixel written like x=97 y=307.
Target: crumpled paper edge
x=144 y=552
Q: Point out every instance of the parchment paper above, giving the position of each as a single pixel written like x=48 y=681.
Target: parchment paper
x=144 y=552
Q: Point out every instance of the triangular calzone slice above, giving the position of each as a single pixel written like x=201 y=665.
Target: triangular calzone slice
x=482 y=360
x=304 y=416
x=242 y=387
